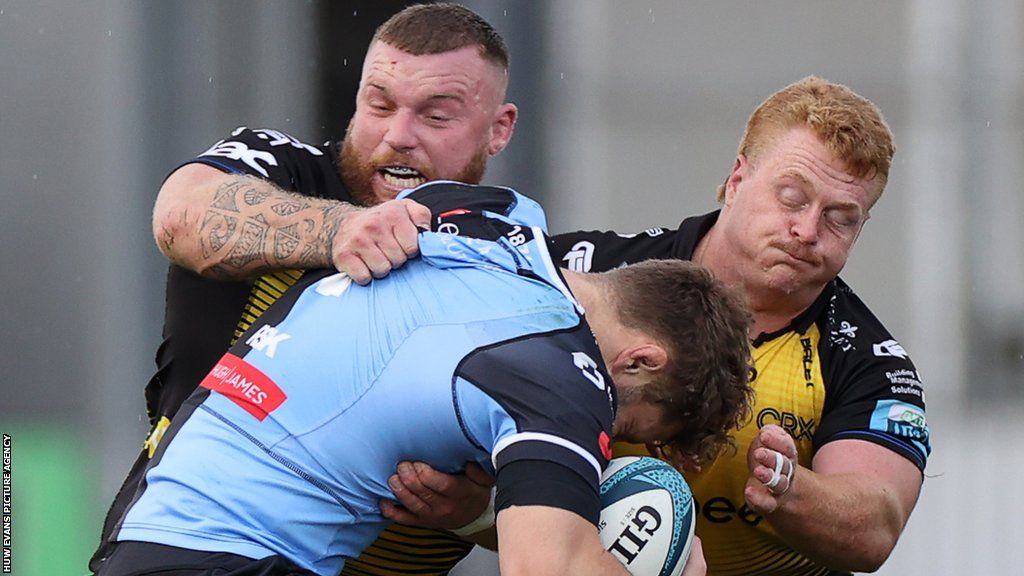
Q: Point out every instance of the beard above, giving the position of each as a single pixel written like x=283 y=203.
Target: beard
x=357 y=171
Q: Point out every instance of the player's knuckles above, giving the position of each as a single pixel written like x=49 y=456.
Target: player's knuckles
x=354 y=267
x=369 y=228
x=418 y=213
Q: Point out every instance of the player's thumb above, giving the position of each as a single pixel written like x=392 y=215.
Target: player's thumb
x=418 y=213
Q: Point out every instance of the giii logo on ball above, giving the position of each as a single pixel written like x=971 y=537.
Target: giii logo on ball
x=637 y=534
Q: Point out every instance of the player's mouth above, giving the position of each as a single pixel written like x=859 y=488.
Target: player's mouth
x=800 y=257
x=401 y=177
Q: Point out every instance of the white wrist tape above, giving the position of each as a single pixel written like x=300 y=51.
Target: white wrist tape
x=485 y=521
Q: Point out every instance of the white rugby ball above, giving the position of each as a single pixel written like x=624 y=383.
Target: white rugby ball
x=647 y=516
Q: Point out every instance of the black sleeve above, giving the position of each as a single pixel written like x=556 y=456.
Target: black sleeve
x=874 y=392
x=547 y=399
x=542 y=483
x=275 y=156
x=593 y=251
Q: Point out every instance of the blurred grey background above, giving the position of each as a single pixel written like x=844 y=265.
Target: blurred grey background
x=630 y=117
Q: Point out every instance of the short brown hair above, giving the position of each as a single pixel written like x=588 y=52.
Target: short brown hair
x=437 y=28
x=849 y=125
x=704 y=326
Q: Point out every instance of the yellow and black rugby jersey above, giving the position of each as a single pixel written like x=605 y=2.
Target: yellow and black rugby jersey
x=834 y=373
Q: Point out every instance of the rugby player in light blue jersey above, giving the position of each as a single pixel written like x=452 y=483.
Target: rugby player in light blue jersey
x=477 y=351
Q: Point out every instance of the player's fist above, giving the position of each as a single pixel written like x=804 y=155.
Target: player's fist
x=772 y=466
x=370 y=242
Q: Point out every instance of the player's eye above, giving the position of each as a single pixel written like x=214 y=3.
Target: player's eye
x=792 y=197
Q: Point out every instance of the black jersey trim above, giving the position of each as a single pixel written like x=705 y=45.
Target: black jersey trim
x=444 y=195
x=895 y=444
x=546 y=483
x=212 y=163
x=690 y=233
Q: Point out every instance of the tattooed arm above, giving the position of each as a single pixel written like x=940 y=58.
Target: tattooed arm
x=229 y=227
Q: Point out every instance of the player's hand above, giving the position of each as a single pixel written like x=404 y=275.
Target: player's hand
x=695 y=564
x=432 y=499
x=772 y=462
x=370 y=242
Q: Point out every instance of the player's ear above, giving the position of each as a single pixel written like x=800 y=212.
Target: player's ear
x=739 y=171
x=643 y=358
x=502 y=127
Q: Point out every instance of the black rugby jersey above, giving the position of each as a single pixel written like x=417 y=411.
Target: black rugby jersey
x=203 y=317
x=834 y=373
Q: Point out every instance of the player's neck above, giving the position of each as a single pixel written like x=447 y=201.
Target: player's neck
x=593 y=292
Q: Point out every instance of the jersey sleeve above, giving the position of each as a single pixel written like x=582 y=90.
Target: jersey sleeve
x=543 y=408
x=593 y=251
x=874 y=391
x=271 y=155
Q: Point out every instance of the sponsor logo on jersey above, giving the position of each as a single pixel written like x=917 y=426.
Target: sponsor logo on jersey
x=448 y=228
x=844 y=335
x=580 y=257
x=720 y=510
x=267 y=339
x=905 y=382
x=900 y=419
x=890 y=348
x=240 y=151
x=797 y=426
x=275 y=138
x=245 y=385
x=808 y=359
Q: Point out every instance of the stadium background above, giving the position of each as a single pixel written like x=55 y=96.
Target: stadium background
x=630 y=114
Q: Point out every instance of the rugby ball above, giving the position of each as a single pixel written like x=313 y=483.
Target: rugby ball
x=647 y=516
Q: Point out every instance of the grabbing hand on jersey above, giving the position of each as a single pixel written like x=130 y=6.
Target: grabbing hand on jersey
x=772 y=462
x=432 y=499
x=370 y=242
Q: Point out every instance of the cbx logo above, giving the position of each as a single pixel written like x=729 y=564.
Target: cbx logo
x=797 y=426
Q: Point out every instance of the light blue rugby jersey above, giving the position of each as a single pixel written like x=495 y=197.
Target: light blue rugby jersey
x=476 y=351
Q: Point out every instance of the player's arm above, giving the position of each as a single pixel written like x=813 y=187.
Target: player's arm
x=234 y=226
x=539 y=540
x=847 y=511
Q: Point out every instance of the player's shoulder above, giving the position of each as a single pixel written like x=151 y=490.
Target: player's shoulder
x=263 y=151
x=857 y=346
x=849 y=324
x=540 y=360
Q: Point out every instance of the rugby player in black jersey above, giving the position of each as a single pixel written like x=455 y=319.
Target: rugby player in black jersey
x=240 y=219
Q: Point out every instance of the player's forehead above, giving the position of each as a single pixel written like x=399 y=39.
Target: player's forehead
x=463 y=71
x=800 y=156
